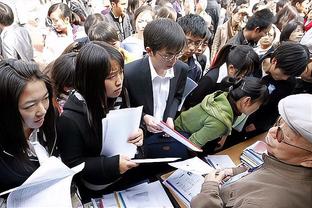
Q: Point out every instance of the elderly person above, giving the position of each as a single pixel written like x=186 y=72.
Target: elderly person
x=285 y=178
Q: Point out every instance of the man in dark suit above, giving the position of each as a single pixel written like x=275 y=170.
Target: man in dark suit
x=157 y=80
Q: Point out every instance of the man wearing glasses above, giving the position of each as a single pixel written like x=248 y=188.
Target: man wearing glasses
x=285 y=178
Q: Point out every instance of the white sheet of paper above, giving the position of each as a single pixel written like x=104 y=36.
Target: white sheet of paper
x=194 y=165
x=117 y=127
x=155 y=160
x=48 y=186
x=190 y=85
x=220 y=161
x=176 y=135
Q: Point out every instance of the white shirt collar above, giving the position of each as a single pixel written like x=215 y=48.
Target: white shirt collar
x=169 y=72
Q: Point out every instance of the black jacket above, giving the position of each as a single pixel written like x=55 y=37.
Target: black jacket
x=78 y=143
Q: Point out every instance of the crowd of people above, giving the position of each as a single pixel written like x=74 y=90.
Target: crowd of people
x=63 y=70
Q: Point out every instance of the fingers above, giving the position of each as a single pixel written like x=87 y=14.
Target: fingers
x=137 y=138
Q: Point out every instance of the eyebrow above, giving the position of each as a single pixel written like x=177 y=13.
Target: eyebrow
x=32 y=101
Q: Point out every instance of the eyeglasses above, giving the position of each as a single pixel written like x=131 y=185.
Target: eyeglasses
x=281 y=137
x=169 y=58
x=194 y=43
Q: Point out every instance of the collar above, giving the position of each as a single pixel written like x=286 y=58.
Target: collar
x=115 y=18
x=169 y=73
x=244 y=41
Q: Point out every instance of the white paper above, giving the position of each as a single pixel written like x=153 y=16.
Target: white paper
x=176 y=135
x=117 y=127
x=149 y=196
x=185 y=184
x=190 y=85
x=48 y=186
x=220 y=161
x=194 y=165
x=155 y=160
x=109 y=201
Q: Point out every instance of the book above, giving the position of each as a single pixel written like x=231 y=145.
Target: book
x=220 y=161
x=176 y=135
x=48 y=186
x=251 y=157
x=116 y=129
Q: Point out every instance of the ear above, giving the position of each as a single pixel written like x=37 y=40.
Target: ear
x=113 y=4
x=257 y=29
x=246 y=101
x=231 y=70
x=66 y=20
x=149 y=51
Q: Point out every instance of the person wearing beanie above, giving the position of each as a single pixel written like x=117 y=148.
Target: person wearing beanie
x=284 y=179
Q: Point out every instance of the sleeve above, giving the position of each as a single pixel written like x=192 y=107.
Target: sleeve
x=98 y=169
x=216 y=43
x=179 y=92
x=209 y=196
x=211 y=130
x=8 y=50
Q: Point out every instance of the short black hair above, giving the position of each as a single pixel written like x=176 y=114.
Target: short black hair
x=6 y=15
x=193 y=24
x=164 y=33
x=91 y=20
x=262 y=19
x=103 y=31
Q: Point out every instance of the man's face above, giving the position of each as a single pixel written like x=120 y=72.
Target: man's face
x=120 y=8
x=163 y=59
x=258 y=33
x=307 y=74
x=193 y=43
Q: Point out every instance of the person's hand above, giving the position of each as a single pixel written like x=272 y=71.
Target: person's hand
x=170 y=123
x=250 y=127
x=136 y=138
x=125 y=164
x=219 y=175
x=151 y=124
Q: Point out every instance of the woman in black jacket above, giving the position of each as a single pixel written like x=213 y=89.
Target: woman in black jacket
x=27 y=120
x=98 y=83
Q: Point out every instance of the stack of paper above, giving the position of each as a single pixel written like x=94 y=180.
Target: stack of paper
x=117 y=127
x=145 y=195
x=252 y=155
x=220 y=161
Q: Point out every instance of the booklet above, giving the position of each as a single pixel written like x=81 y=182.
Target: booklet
x=117 y=127
x=220 y=161
x=155 y=160
x=48 y=186
x=176 y=135
x=194 y=165
x=190 y=85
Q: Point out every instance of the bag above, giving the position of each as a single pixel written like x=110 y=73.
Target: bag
x=160 y=146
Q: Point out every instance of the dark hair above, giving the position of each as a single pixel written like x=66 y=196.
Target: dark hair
x=262 y=19
x=165 y=12
x=286 y=14
x=193 y=24
x=289 y=28
x=92 y=68
x=6 y=14
x=65 y=12
x=164 y=33
x=280 y=4
x=252 y=87
x=240 y=2
x=291 y=58
x=14 y=76
x=74 y=47
x=242 y=57
x=62 y=73
x=103 y=31
x=91 y=20
x=294 y=2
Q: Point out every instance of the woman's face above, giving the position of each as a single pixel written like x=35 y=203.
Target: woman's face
x=113 y=83
x=142 y=20
x=297 y=34
x=33 y=104
x=58 y=23
x=267 y=40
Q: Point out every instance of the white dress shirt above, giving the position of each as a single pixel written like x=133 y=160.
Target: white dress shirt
x=161 y=86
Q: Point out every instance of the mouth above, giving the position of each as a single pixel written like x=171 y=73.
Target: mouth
x=118 y=90
x=39 y=120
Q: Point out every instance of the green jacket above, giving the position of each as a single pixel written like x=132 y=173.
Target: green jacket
x=208 y=120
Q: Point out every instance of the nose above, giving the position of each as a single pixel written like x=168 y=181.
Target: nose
x=119 y=80
x=41 y=110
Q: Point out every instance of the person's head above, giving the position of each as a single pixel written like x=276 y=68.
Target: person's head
x=300 y=5
x=104 y=31
x=165 y=12
x=290 y=139
x=91 y=20
x=259 y=24
x=119 y=7
x=267 y=41
x=164 y=41
x=195 y=29
x=248 y=93
x=288 y=60
x=62 y=75
x=285 y=15
x=293 y=31
x=280 y=5
x=98 y=76
x=241 y=60
x=202 y=48
x=61 y=17
x=6 y=15
x=307 y=73
x=25 y=104
x=142 y=16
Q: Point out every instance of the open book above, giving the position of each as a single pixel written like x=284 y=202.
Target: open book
x=48 y=186
x=117 y=127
